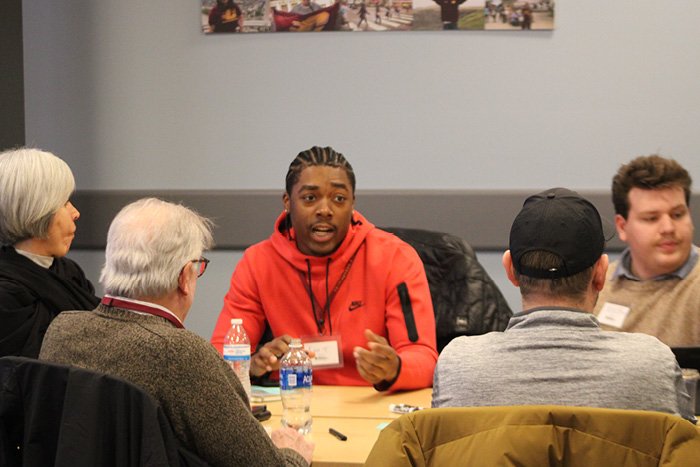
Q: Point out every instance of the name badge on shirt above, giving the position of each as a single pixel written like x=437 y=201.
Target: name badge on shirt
x=328 y=354
x=613 y=315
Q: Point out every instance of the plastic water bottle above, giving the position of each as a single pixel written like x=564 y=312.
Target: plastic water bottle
x=295 y=388
x=237 y=353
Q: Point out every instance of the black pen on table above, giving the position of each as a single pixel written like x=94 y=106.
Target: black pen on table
x=337 y=434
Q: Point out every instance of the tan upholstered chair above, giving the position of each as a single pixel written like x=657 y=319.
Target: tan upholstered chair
x=537 y=436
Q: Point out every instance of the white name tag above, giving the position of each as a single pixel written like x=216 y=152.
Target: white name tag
x=328 y=354
x=613 y=315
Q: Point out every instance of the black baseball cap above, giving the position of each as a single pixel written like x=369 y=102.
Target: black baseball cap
x=563 y=223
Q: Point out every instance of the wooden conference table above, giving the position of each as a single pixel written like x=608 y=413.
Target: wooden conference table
x=358 y=412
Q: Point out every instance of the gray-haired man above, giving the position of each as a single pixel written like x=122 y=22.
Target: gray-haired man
x=153 y=261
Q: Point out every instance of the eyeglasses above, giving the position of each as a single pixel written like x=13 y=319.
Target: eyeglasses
x=202 y=264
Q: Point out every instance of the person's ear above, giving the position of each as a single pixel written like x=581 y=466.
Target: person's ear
x=620 y=225
x=600 y=271
x=507 y=262
x=285 y=202
x=184 y=280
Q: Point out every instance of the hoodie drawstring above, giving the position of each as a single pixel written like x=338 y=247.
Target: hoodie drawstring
x=326 y=309
x=319 y=321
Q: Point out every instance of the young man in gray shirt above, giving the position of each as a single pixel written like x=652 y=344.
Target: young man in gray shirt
x=554 y=351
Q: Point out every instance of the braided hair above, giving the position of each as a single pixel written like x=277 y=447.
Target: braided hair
x=317 y=156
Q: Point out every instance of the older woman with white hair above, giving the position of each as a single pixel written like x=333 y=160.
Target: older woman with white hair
x=37 y=226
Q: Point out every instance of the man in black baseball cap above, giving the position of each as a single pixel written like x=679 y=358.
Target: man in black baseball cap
x=560 y=222
x=554 y=351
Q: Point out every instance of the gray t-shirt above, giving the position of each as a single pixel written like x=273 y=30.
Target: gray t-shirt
x=560 y=357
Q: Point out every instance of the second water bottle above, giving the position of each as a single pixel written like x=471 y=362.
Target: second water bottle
x=295 y=388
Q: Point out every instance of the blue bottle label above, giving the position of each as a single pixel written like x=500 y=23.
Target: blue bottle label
x=295 y=378
x=233 y=352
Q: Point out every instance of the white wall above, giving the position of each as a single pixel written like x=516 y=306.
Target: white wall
x=133 y=96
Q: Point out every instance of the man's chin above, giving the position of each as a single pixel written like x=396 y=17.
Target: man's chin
x=323 y=248
x=321 y=252
x=669 y=263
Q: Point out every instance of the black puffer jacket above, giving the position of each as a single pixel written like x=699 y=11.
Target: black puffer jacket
x=466 y=300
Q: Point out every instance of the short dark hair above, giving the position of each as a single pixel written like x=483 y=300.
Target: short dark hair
x=317 y=156
x=573 y=286
x=648 y=173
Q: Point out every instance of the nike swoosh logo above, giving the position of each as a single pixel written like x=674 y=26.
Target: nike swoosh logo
x=355 y=305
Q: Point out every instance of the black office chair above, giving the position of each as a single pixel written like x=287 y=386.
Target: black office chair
x=466 y=300
x=56 y=415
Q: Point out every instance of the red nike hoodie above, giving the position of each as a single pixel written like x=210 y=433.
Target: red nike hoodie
x=270 y=284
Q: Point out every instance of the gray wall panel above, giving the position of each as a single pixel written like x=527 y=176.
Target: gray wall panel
x=244 y=217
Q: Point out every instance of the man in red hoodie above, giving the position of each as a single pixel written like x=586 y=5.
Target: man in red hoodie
x=357 y=296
